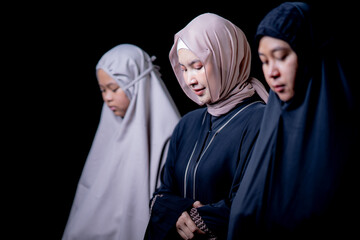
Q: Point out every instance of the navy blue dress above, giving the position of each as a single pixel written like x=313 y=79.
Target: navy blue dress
x=302 y=177
x=206 y=159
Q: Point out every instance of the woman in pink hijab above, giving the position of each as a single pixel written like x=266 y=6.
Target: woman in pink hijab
x=210 y=146
x=122 y=168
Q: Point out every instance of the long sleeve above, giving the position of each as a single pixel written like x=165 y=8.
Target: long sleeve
x=166 y=205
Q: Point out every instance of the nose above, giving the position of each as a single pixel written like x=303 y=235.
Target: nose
x=190 y=78
x=107 y=96
x=273 y=71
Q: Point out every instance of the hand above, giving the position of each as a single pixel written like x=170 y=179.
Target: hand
x=197 y=204
x=186 y=227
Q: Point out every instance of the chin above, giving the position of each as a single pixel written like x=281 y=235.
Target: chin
x=285 y=98
x=119 y=114
x=204 y=101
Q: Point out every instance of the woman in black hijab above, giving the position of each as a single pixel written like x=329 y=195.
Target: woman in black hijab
x=301 y=179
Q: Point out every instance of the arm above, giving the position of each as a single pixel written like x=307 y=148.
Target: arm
x=166 y=205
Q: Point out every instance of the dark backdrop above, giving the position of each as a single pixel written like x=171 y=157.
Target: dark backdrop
x=63 y=43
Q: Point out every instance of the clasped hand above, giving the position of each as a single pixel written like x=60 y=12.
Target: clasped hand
x=186 y=227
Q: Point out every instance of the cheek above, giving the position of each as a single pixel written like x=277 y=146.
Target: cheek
x=264 y=68
x=184 y=75
x=201 y=76
x=290 y=72
x=124 y=101
x=266 y=76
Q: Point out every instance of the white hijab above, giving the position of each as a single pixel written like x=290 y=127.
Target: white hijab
x=120 y=173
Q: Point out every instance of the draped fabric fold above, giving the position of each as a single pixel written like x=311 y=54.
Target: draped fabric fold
x=301 y=177
x=120 y=173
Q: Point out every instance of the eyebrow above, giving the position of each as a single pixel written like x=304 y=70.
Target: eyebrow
x=276 y=49
x=191 y=63
x=110 y=84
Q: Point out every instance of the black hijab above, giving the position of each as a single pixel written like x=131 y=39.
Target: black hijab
x=301 y=178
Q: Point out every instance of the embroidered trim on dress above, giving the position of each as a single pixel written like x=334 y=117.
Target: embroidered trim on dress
x=195 y=216
x=153 y=201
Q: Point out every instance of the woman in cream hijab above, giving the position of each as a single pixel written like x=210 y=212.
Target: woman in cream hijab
x=121 y=171
x=210 y=146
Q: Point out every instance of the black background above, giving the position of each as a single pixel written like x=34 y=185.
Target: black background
x=59 y=106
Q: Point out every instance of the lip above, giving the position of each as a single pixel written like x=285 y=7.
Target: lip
x=199 y=91
x=279 y=88
x=112 y=108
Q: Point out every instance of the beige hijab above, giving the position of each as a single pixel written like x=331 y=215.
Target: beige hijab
x=225 y=52
x=120 y=173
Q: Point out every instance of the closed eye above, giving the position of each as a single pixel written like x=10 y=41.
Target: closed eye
x=182 y=68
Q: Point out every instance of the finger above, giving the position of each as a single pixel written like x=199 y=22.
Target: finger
x=182 y=234
x=197 y=204
x=191 y=226
x=199 y=231
x=188 y=222
x=181 y=226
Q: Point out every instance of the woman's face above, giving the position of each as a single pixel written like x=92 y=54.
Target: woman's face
x=279 y=64
x=194 y=74
x=112 y=94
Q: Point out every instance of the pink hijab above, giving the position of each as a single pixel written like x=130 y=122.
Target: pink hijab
x=222 y=47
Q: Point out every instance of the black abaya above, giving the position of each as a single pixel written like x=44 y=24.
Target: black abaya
x=301 y=178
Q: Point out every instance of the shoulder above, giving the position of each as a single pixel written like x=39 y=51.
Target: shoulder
x=191 y=120
x=193 y=116
x=250 y=115
x=252 y=109
x=256 y=108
